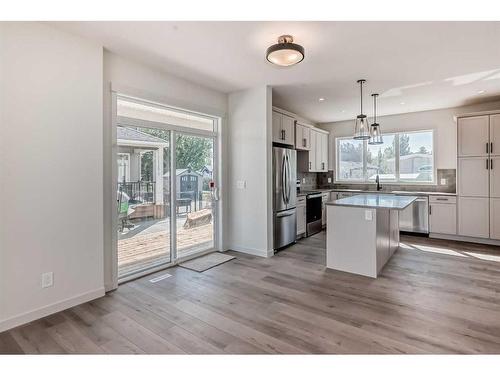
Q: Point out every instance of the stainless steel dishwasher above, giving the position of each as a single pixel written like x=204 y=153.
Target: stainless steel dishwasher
x=415 y=218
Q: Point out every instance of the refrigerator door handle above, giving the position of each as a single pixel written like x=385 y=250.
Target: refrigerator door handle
x=284 y=214
x=283 y=179
x=289 y=183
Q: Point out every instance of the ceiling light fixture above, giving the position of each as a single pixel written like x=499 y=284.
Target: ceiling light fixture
x=402 y=103
x=481 y=92
x=361 y=127
x=375 y=133
x=321 y=99
x=285 y=52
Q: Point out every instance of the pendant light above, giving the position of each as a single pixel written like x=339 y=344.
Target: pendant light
x=361 y=129
x=285 y=52
x=375 y=133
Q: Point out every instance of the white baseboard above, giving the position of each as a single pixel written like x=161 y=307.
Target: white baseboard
x=24 y=318
x=257 y=252
x=485 y=241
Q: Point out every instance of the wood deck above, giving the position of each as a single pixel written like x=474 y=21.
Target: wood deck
x=149 y=250
x=433 y=296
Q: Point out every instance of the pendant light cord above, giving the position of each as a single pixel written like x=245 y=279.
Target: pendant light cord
x=361 y=97
x=375 y=108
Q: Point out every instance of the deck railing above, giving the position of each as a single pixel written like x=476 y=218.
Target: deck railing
x=139 y=192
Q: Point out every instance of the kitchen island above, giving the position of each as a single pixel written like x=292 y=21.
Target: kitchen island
x=363 y=232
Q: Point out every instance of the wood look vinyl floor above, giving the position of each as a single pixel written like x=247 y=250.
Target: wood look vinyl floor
x=434 y=296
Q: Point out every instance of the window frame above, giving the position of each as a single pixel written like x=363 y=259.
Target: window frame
x=397 y=180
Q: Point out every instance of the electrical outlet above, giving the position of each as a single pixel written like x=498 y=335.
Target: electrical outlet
x=241 y=184
x=303 y=180
x=329 y=180
x=47 y=279
x=368 y=215
x=443 y=181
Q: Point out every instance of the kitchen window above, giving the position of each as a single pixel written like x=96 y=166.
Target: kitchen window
x=406 y=157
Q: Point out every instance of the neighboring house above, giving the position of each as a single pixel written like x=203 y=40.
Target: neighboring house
x=133 y=145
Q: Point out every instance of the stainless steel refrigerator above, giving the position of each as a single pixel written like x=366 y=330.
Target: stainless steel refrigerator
x=284 y=196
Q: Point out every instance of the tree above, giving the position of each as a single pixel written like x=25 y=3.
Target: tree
x=191 y=151
x=404 y=145
x=422 y=150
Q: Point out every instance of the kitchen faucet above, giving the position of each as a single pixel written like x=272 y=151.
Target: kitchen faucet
x=377 y=180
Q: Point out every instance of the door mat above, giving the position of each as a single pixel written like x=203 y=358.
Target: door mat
x=206 y=262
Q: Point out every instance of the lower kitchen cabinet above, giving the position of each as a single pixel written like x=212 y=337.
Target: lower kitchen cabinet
x=474 y=217
x=443 y=218
x=495 y=218
x=301 y=215
x=324 y=199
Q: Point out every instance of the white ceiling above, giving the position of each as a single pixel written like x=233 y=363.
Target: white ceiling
x=425 y=65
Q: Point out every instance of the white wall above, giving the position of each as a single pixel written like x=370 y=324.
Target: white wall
x=50 y=171
x=441 y=120
x=249 y=147
x=131 y=78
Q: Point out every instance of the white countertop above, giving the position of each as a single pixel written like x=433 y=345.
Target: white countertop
x=386 y=201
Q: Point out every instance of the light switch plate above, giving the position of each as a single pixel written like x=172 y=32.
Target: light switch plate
x=368 y=215
x=443 y=181
x=329 y=180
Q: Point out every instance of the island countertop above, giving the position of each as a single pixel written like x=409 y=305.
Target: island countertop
x=384 y=201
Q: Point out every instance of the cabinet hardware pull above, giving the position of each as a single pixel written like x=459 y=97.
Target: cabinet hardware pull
x=491 y=148
x=491 y=163
x=310 y=165
x=430 y=210
x=487 y=163
x=487 y=147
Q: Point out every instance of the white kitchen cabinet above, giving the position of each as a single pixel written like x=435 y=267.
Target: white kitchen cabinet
x=312 y=152
x=288 y=126
x=474 y=217
x=442 y=215
x=473 y=136
x=277 y=134
x=495 y=176
x=302 y=137
x=324 y=151
x=301 y=215
x=495 y=218
x=283 y=128
x=495 y=135
x=318 y=152
x=473 y=176
x=324 y=199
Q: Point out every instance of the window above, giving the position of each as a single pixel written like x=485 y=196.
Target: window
x=403 y=157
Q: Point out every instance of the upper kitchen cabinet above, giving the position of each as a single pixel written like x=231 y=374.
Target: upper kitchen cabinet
x=283 y=128
x=302 y=137
x=473 y=136
x=495 y=134
x=316 y=159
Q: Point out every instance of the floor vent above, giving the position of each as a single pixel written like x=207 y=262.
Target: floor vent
x=160 y=278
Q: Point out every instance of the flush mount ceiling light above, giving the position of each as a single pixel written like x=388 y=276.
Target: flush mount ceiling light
x=361 y=127
x=285 y=52
x=375 y=133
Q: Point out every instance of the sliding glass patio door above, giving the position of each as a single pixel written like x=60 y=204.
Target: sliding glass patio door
x=166 y=173
x=194 y=204
x=143 y=199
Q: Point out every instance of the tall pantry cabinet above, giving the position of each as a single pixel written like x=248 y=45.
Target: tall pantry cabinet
x=478 y=176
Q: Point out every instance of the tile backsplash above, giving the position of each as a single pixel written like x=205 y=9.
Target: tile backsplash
x=310 y=182
x=320 y=181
